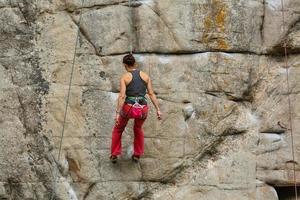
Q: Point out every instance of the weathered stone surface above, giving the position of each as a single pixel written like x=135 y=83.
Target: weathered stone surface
x=225 y=129
x=266 y=192
x=275 y=30
x=212 y=176
x=205 y=25
x=25 y=167
x=274 y=152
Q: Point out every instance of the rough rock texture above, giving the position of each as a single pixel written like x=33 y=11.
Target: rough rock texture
x=217 y=69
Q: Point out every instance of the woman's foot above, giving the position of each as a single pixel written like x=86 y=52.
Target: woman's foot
x=135 y=158
x=113 y=159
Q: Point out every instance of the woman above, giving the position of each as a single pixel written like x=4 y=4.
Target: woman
x=132 y=104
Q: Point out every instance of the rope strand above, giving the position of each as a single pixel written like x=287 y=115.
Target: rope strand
x=289 y=99
x=68 y=96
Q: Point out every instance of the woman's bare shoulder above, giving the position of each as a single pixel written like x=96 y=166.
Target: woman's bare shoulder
x=126 y=75
x=144 y=76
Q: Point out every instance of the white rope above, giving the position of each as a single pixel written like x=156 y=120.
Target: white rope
x=289 y=99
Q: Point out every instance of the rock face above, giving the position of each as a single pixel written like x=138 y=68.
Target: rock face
x=217 y=69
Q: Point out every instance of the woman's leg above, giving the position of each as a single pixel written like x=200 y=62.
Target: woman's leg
x=116 y=143
x=138 y=144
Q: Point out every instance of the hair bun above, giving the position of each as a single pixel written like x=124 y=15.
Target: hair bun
x=129 y=60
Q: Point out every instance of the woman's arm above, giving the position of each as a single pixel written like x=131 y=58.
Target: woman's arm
x=153 y=98
x=121 y=97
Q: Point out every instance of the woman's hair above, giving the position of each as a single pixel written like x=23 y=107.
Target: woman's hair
x=129 y=60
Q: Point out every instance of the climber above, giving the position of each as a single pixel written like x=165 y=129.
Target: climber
x=132 y=104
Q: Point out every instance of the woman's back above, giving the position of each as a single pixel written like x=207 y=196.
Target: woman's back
x=137 y=86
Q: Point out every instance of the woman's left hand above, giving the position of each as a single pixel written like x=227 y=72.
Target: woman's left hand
x=158 y=114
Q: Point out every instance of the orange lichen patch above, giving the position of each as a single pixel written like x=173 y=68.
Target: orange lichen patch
x=207 y=23
x=220 y=18
x=215 y=22
x=222 y=44
x=205 y=38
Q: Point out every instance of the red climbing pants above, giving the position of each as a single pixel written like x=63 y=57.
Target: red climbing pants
x=138 y=144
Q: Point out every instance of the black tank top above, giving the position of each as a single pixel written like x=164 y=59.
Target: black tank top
x=137 y=86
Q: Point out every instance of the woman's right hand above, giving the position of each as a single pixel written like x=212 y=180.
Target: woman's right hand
x=117 y=118
x=158 y=114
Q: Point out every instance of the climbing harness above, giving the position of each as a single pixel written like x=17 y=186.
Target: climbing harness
x=68 y=97
x=139 y=99
x=289 y=99
x=136 y=109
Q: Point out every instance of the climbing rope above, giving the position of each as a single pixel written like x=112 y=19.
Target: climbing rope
x=289 y=99
x=68 y=96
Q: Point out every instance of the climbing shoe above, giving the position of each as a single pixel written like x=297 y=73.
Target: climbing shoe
x=113 y=159
x=135 y=158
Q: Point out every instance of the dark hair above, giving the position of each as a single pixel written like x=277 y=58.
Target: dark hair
x=129 y=60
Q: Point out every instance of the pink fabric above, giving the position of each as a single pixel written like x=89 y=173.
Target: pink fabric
x=139 y=116
x=136 y=111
